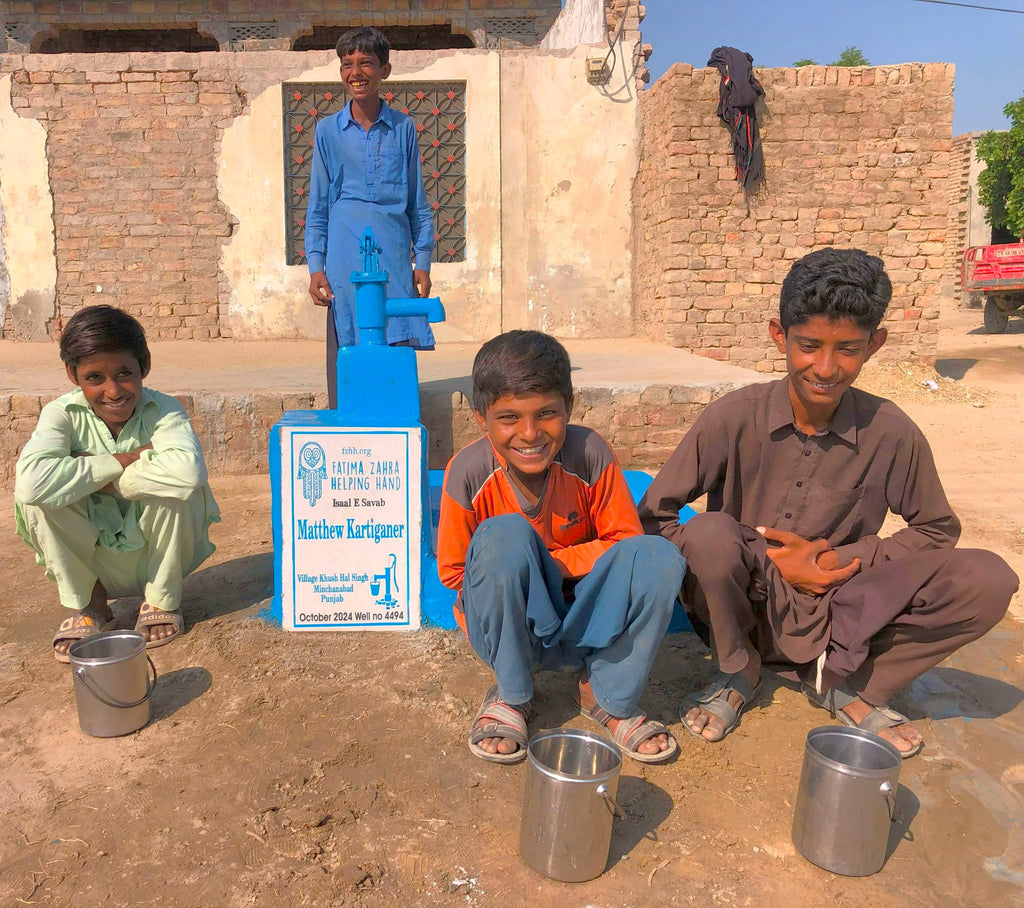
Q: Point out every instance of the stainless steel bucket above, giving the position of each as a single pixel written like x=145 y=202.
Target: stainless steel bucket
x=846 y=800
x=571 y=780
x=112 y=683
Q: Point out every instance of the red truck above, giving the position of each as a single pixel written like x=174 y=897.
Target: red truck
x=997 y=272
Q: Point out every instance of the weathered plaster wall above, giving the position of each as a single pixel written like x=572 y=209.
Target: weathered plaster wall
x=568 y=159
x=854 y=157
x=579 y=22
x=166 y=174
x=28 y=269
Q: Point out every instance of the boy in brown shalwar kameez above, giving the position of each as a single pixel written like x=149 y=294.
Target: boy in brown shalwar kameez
x=786 y=569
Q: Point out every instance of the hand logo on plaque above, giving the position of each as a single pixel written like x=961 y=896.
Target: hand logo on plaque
x=312 y=471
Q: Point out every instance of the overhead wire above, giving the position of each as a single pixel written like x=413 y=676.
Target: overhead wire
x=993 y=9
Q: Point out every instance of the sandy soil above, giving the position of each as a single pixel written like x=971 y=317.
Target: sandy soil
x=332 y=769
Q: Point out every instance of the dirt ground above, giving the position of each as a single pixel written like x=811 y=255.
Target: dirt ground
x=332 y=769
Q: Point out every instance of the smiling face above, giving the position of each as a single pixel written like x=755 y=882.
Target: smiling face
x=527 y=431
x=823 y=358
x=362 y=74
x=112 y=385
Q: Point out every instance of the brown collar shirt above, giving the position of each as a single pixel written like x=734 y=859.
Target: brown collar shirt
x=746 y=453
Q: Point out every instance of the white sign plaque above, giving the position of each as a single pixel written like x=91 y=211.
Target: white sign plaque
x=351 y=521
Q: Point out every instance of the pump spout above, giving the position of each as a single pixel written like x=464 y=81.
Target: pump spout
x=430 y=307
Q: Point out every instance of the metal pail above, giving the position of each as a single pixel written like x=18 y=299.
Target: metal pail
x=846 y=800
x=568 y=805
x=112 y=683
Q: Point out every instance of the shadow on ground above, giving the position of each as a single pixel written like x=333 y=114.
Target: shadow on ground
x=646 y=807
x=230 y=586
x=177 y=689
x=948 y=693
x=907 y=806
x=955 y=369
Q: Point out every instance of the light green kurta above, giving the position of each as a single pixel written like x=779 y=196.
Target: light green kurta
x=141 y=540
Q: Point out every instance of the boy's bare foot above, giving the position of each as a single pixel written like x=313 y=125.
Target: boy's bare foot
x=496 y=745
x=654 y=746
x=499 y=731
x=707 y=724
x=904 y=737
x=97 y=610
x=158 y=627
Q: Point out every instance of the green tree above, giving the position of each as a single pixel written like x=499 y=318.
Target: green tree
x=1001 y=183
x=852 y=56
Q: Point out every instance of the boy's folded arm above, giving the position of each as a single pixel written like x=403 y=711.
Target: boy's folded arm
x=173 y=468
x=49 y=475
x=579 y=559
x=613 y=516
x=940 y=532
x=914 y=492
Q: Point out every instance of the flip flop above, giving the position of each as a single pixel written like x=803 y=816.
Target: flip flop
x=880 y=717
x=506 y=721
x=713 y=699
x=150 y=615
x=632 y=732
x=78 y=627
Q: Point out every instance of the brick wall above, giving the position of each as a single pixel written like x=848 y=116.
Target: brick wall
x=643 y=427
x=32 y=23
x=132 y=151
x=961 y=155
x=854 y=157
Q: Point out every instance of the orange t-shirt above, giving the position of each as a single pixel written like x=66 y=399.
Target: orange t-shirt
x=584 y=509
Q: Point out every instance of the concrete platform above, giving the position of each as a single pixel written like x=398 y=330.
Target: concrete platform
x=640 y=395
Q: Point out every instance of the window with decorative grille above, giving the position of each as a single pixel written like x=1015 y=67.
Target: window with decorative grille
x=439 y=109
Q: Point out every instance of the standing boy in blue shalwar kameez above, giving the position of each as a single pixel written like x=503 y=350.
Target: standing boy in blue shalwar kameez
x=366 y=173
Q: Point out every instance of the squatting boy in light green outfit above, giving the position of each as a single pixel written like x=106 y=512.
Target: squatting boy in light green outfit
x=111 y=488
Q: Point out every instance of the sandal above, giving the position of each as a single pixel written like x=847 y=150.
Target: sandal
x=632 y=732
x=150 y=615
x=713 y=699
x=78 y=627
x=506 y=721
x=880 y=717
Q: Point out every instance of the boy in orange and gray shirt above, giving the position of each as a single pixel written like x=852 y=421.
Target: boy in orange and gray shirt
x=540 y=536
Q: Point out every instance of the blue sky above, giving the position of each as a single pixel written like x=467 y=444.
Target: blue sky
x=986 y=47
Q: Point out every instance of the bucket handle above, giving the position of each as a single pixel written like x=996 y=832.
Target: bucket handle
x=84 y=675
x=887 y=792
x=613 y=805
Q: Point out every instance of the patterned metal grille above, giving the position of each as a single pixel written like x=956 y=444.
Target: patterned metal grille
x=506 y=32
x=245 y=30
x=439 y=109
x=16 y=31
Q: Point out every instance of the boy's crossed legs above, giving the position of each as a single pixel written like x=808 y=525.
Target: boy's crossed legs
x=517 y=620
x=89 y=573
x=889 y=623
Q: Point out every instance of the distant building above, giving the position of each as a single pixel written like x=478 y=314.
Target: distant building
x=74 y=26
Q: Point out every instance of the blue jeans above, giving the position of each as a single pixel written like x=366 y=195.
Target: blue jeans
x=518 y=619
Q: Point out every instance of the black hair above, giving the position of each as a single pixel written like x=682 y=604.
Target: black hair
x=520 y=362
x=102 y=329
x=367 y=40
x=836 y=283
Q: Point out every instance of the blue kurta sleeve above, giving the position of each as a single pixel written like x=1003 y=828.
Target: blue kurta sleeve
x=318 y=209
x=421 y=222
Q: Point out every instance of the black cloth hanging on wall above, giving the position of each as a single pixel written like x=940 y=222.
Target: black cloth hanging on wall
x=737 y=95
